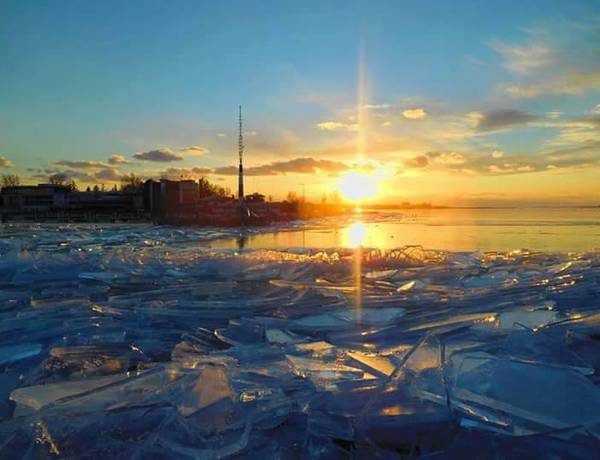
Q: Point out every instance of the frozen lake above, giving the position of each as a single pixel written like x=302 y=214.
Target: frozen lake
x=134 y=341
x=538 y=229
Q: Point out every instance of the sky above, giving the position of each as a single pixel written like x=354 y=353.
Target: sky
x=454 y=103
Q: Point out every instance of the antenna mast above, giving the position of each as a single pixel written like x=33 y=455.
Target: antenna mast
x=241 y=154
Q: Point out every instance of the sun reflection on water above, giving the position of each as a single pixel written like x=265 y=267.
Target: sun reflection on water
x=356 y=237
x=357 y=234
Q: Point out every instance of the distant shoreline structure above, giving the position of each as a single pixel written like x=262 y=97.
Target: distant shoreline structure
x=184 y=202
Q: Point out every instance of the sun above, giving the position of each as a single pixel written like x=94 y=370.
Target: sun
x=357 y=186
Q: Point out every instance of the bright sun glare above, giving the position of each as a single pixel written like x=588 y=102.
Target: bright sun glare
x=357 y=186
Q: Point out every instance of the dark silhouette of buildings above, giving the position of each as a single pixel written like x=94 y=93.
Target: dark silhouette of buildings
x=59 y=202
x=182 y=202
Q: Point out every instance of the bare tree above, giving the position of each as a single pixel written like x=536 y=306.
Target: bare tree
x=58 y=179
x=131 y=183
x=206 y=188
x=72 y=185
x=9 y=180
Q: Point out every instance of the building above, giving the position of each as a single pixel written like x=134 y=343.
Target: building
x=255 y=198
x=34 y=198
x=162 y=196
x=59 y=202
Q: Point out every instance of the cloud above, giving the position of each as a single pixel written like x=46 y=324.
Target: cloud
x=414 y=114
x=554 y=115
x=118 y=160
x=194 y=150
x=526 y=59
x=570 y=84
x=5 y=162
x=573 y=131
x=336 y=125
x=497 y=154
x=377 y=106
x=501 y=118
x=596 y=109
x=109 y=174
x=447 y=158
x=295 y=166
x=420 y=161
x=163 y=155
x=82 y=176
x=186 y=173
x=82 y=164
x=220 y=134
x=511 y=168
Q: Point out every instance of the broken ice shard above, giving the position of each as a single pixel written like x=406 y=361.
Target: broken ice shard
x=12 y=353
x=529 y=398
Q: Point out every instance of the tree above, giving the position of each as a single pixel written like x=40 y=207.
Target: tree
x=292 y=197
x=206 y=189
x=9 y=180
x=96 y=188
x=131 y=183
x=72 y=185
x=58 y=179
x=324 y=198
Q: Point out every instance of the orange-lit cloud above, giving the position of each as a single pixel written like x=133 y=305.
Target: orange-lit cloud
x=297 y=166
x=414 y=114
x=194 y=150
x=118 y=160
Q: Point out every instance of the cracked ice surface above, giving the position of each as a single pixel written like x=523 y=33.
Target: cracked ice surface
x=136 y=342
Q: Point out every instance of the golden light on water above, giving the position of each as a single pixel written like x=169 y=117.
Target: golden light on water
x=357 y=233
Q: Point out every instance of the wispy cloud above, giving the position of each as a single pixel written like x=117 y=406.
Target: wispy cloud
x=82 y=164
x=526 y=59
x=377 y=106
x=573 y=83
x=297 y=165
x=414 y=114
x=336 y=125
x=194 y=150
x=110 y=174
x=447 y=158
x=185 y=173
x=163 y=155
x=5 y=162
x=419 y=161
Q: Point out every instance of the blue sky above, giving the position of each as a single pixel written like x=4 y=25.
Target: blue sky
x=83 y=81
